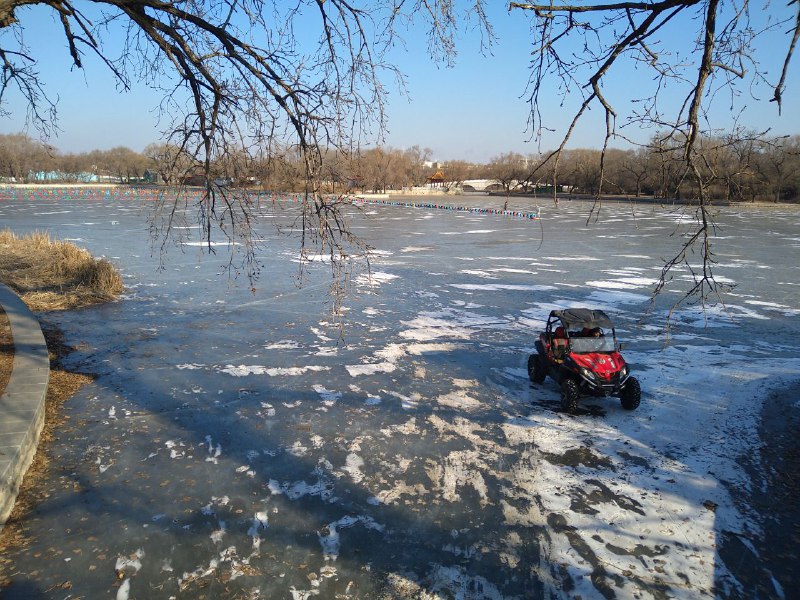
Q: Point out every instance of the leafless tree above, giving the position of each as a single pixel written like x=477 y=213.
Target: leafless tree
x=335 y=170
x=637 y=167
x=778 y=165
x=168 y=161
x=581 y=46
x=19 y=155
x=123 y=163
x=510 y=170
x=415 y=160
x=374 y=167
x=581 y=169
x=456 y=173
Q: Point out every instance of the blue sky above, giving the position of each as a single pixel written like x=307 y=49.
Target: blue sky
x=473 y=111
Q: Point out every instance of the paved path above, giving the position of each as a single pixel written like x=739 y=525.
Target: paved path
x=22 y=402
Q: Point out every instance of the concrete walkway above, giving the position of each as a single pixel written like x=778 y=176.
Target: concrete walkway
x=22 y=403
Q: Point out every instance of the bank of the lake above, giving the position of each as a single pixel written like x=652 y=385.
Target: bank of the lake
x=47 y=275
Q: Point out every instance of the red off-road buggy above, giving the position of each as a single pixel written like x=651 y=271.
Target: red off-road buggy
x=579 y=350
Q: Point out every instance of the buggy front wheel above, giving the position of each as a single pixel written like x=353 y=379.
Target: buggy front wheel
x=570 y=394
x=631 y=394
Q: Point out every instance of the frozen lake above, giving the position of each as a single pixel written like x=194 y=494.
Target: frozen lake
x=234 y=446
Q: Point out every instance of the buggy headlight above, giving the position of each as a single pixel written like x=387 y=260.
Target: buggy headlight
x=623 y=372
x=587 y=373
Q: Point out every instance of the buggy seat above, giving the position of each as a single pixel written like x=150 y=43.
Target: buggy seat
x=559 y=343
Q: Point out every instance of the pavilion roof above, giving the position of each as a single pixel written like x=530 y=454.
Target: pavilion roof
x=438 y=176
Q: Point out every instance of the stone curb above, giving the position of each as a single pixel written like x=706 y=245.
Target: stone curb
x=22 y=403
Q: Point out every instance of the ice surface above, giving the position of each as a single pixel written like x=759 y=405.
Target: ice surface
x=408 y=453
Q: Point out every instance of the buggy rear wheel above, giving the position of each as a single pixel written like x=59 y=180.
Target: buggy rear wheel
x=537 y=370
x=570 y=394
x=631 y=394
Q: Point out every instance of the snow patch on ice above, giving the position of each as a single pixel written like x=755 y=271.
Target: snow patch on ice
x=329 y=397
x=302 y=594
x=619 y=284
x=375 y=278
x=409 y=402
x=370 y=369
x=458 y=399
x=571 y=258
x=498 y=287
x=407 y=428
x=330 y=540
x=352 y=466
x=214 y=452
x=282 y=345
x=130 y=565
x=211 y=244
x=481 y=274
x=245 y=370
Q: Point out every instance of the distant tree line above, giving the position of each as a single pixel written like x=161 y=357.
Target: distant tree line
x=22 y=159
x=739 y=168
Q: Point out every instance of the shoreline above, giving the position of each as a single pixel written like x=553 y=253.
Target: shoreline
x=402 y=194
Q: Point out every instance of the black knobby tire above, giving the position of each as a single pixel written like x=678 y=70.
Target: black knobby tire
x=570 y=394
x=631 y=394
x=537 y=370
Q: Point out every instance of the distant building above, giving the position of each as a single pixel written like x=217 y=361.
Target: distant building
x=152 y=177
x=197 y=178
x=60 y=176
x=438 y=179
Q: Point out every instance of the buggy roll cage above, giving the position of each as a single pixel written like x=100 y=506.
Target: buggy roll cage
x=573 y=321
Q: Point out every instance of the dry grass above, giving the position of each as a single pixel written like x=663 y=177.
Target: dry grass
x=55 y=275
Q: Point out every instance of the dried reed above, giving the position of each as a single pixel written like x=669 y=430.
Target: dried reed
x=55 y=275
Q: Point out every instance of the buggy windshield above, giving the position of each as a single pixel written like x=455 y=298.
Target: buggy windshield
x=585 y=345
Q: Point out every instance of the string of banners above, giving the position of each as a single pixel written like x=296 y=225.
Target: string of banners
x=153 y=193
x=436 y=206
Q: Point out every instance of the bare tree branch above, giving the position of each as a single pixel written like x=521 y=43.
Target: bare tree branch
x=781 y=85
x=579 y=45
